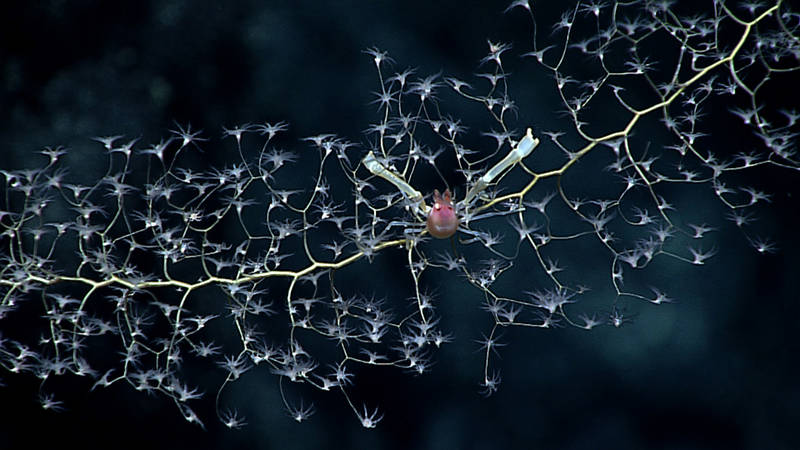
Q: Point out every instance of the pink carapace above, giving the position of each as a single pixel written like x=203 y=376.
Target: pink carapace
x=442 y=220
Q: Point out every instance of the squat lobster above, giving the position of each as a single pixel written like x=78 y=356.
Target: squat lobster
x=443 y=218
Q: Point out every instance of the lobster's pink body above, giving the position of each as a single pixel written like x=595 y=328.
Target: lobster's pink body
x=442 y=220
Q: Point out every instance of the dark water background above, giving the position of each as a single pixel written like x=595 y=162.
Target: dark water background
x=717 y=369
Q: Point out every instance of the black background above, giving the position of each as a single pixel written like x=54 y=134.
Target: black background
x=717 y=369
